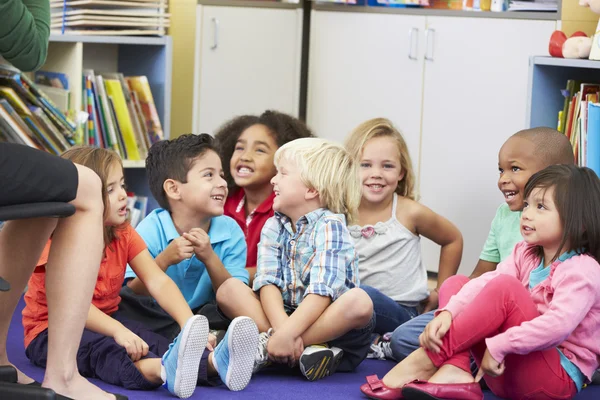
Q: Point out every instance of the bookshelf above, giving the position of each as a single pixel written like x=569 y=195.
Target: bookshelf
x=547 y=77
x=130 y=55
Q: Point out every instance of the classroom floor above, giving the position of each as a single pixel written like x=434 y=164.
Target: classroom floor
x=268 y=384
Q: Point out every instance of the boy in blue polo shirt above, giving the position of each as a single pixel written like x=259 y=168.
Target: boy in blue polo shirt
x=189 y=237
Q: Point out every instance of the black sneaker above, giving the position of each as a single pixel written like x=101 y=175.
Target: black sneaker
x=319 y=361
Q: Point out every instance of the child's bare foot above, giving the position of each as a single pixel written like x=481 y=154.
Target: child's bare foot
x=416 y=366
x=451 y=374
x=77 y=388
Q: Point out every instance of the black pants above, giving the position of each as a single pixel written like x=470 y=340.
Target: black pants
x=146 y=310
x=101 y=357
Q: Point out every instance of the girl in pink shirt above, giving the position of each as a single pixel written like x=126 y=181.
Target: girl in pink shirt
x=531 y=324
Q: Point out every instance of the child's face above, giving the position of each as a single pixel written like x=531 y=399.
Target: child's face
x=516 y=164
x=380 y=169
x=540 y=222
x=206 y=190
x=117 y=197
x=290 y=191
x=251 y=164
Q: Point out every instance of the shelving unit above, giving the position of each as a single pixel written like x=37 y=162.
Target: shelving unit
x=547 y=77
x=130 y=55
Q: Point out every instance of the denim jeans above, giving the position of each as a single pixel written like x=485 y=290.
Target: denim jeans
x=388 y=313
x=405 y=338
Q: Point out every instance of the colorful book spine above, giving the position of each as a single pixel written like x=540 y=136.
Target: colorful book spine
x=593 y=137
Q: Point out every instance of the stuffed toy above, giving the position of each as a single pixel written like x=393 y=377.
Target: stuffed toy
x=579 y=44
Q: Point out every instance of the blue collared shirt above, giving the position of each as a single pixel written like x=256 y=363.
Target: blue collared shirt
x=190 y=276
x=317 y=258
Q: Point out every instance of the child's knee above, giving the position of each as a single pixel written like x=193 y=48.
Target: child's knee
x=89 y=190
x=229 y=291
x=360 y=307
x=451 y=286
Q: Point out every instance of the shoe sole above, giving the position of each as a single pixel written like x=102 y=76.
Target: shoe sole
x=193 y=340
x=242 y=342
x=316 y=365
x=415 y=394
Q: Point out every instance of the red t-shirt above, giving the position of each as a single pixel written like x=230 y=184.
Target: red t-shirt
x=125 y=248
x=251 y=224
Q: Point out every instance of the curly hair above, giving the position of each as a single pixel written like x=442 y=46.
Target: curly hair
x=172 y=159
x=283 y=127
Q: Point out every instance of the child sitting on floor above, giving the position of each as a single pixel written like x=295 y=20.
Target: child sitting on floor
x=112 y=348
x=390 y=226
x=247 y=145
x=531 y=323
x=306 y=284
x=190 y=238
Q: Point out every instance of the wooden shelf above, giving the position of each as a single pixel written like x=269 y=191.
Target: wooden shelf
x=137 y=40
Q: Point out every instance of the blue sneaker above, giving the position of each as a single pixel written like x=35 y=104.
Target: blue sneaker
x=234 y=356
x=182 y=359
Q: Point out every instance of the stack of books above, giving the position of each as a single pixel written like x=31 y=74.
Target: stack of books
x=109 y=17
x=29 y=117
x=533 y=5
x=121 y=114
x=580 y=121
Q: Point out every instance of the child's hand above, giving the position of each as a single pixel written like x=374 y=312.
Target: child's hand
x=201 y=243
x=282 y=348
x=490 y=367
x=135 y=346
x=212 y=342
x=431 y=338
x=178 y=250
x=430 y=303
x=298 y=350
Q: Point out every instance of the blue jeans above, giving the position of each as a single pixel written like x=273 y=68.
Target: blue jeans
x=388 y=313
x=405 y=338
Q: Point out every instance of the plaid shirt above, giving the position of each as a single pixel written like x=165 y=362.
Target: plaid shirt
x=318 y=258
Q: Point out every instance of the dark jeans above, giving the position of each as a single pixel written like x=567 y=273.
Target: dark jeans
x=389 y=314
x=146 y=310
x=101 y=357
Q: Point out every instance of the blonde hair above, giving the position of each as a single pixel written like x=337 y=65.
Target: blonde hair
x=327 y=168
x=382 y=127
x=101 y=161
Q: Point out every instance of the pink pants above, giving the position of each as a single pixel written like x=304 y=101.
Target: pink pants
x=502 y=304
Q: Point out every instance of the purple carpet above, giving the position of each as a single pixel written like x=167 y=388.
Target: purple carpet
x=269 y=384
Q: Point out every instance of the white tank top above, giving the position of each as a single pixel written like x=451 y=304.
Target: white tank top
x=389 y=259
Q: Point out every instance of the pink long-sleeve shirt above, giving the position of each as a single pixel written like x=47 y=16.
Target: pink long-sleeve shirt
x=568 y=302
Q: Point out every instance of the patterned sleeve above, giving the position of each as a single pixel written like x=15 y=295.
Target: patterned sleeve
x=334 y=250
x=268 y=266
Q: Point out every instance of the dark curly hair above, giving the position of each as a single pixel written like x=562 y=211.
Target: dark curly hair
x=172 y=159
x=283 y=127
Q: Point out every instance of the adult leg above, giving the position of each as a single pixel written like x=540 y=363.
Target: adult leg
x=21 y=243
x=388 y=313
x=71 y=274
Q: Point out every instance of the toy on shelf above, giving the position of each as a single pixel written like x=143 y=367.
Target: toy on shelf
x=579 y=45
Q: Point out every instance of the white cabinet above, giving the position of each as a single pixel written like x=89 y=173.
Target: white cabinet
x=363 y=66
x=474 y=98
x=462 y=97
x=247 y=61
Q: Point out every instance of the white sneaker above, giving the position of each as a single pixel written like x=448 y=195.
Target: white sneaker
x=262 y=357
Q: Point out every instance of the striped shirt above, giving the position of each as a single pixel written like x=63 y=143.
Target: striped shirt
x=318 y=258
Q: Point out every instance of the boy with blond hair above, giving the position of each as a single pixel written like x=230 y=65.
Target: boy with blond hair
x=306 y=290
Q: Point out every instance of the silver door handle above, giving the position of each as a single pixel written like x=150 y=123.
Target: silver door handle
x=411 y=33
x=428 y=45
x=216 y=34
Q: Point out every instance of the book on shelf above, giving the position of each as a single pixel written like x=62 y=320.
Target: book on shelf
x=137 y=207
x=109 y=17
x=120 y=114
x=580 y=122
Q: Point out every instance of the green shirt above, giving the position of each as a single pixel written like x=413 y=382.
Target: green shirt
x=24 y=32
x=504 y=234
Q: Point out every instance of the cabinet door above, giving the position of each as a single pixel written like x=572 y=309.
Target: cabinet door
x=247 y=61
x=360 y=69
x=475 y=97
